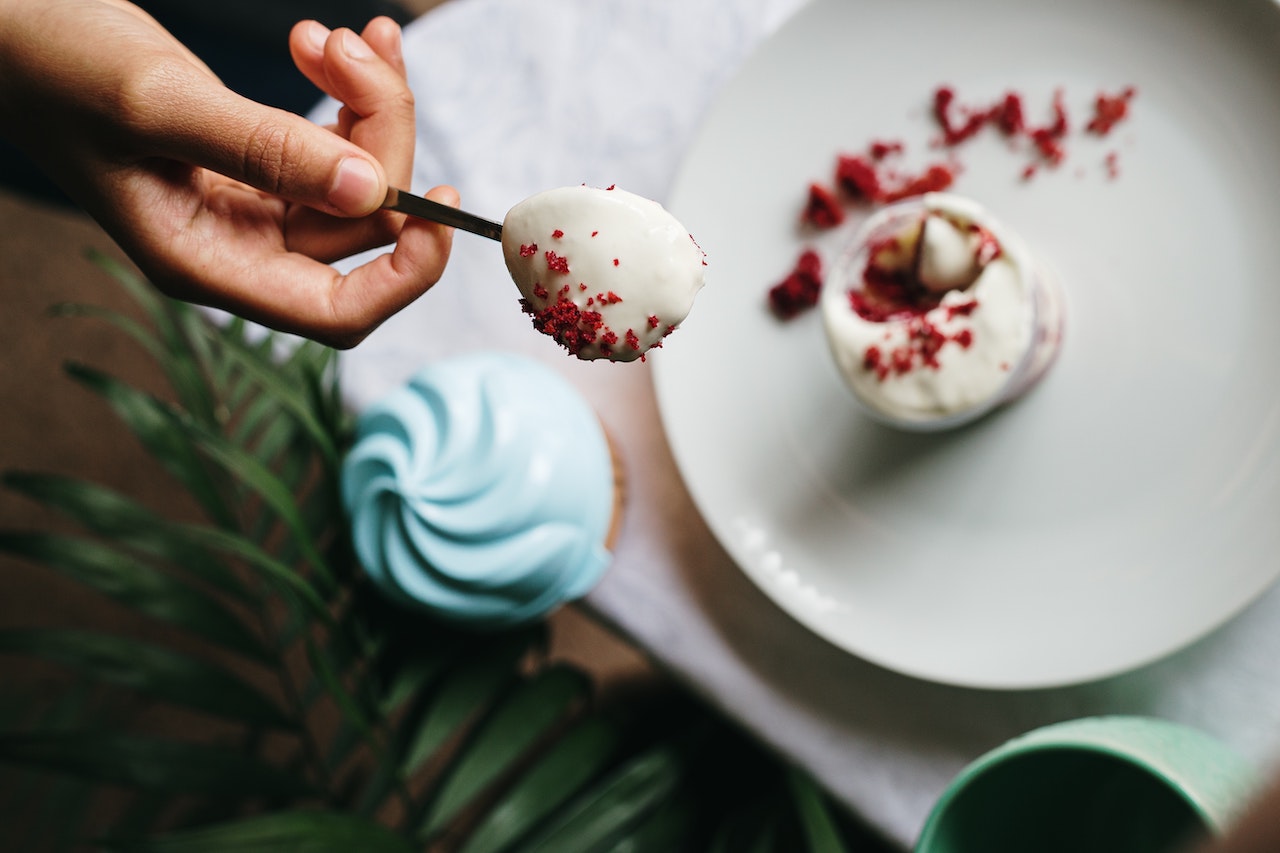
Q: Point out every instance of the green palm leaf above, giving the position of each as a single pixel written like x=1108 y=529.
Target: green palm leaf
x=137 y=586
x=156 y=425
x=283 y=832
x=606 y=813
x=584 y=752
x=125 y=522
x=519 y=722
x=157 y=672
x=469 y=688
x=285 y=394
x=816 y=820
x=144 y=762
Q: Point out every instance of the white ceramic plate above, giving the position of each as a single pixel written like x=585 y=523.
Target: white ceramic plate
x=1131 y=503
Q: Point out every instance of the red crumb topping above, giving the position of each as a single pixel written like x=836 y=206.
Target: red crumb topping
x=959 y=123
x=611 y=187
x=822 y=210
x=557 y=234
x=1112 y=164
x=924 y=342
x=555 y=263
x=594 y=233
x=528 y=251
x=988 y=246
x=1048 y=139
x=800 y=289
x=880 y=150
x=1006 y=114
x=863 y=178
x=955 y=131
x=654 y=322
x=576 y=328
x=1109 y=110
x=857 y=176
x=569 y=325
x=615 y=262
x=936 y=178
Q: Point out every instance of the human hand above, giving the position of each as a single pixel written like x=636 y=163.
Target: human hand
x=220 y=200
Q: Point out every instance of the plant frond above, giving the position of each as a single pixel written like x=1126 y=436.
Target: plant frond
x=151 y=670
x=281 y=832
x=137 y=586
x=520 y=721
x=154 y=763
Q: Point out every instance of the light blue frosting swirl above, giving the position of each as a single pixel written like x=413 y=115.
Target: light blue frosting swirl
x=482 y=491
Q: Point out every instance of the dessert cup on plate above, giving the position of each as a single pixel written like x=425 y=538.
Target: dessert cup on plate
x=484 y=491
x=936 y=314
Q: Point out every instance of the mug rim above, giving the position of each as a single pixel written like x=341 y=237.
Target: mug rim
x=1077 y=736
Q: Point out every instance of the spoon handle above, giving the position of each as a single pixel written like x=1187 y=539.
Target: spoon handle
x=424 y=208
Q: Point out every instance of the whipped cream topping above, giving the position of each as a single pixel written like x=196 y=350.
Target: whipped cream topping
x=605 y=272
x=482 y=491
x=942 y=313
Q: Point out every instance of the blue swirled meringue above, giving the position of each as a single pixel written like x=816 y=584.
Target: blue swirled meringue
x=482 y=491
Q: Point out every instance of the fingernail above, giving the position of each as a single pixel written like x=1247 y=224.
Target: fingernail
x=354 y=46
x=355 y=187
x=316 y=34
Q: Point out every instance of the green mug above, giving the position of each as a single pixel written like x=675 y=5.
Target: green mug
x=1099 y=784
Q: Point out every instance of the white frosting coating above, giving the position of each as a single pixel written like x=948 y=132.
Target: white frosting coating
x=606 y=272
x=948 y=256
x=993 y=332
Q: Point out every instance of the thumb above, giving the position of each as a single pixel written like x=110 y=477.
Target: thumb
x=278 y=152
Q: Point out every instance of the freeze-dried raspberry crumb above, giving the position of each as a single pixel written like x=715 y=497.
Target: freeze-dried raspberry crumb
x=1109 y=110
x=857 y=176
x=1008 y=114
x=557 y=263
x=800 y=289
x=654 y=322
x=822 y=210
x=880 y=150
x=557 y=234
x=863 y=179
x=615 y=262
x=1048 y=139
x=935 y=178
x=528 y=251
x=540 y=291
x=1112 y=164
x=570 y=326
x=633 y=340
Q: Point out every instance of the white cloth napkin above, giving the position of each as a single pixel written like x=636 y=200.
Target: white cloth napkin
x=515 y=97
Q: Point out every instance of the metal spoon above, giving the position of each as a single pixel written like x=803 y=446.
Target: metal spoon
x=424 y=208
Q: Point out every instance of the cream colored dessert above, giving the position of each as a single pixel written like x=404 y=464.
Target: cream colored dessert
x=939 y=313
x=605 y=272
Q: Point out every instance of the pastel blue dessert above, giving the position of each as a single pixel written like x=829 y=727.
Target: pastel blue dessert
x=481 y=491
